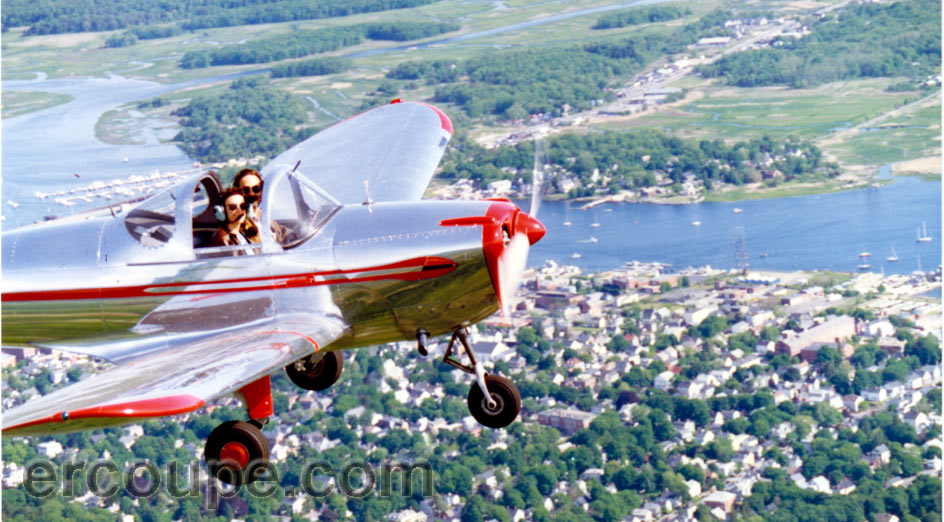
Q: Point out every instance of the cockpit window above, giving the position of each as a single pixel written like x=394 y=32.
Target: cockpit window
x=299 y=209
x=152 y=222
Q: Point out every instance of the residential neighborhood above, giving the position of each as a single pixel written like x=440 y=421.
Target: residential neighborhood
x=655 y=394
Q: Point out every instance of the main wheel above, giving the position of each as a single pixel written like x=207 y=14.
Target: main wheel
x=319 y=375
x=236 y=452
x=507 y=402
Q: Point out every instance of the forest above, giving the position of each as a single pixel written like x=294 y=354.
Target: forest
x=54 y=17
x=312 y=67
x=642 y=15
x=252 y=117
x=306 y=42
x=862 y=41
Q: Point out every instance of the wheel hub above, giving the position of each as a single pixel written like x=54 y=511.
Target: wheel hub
x=234 y=455
x=499 y=405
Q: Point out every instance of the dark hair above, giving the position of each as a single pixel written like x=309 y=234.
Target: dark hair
x=246 y=172
x=232 y=191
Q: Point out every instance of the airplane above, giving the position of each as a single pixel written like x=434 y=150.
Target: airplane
x=363 y=260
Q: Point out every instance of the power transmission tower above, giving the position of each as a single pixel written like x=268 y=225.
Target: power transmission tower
x=740 y=251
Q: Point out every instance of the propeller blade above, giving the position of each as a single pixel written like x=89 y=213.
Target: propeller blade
x=511 y=267
x=541 y=161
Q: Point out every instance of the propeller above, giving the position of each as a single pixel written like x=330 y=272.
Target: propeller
x=526 y=231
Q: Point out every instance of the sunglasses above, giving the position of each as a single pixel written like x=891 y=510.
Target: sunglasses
x=234 y=206
x=253 y=189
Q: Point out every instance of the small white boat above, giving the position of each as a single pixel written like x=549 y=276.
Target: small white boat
x=892 y=258
x=566 y=223
x=592 y=239
x=737 y=210
x=864 y=254
x=12 y=203
x=864 y=266
x=575 y=255
x=608 y=210
x=923 y=236
x=594 y=225
x=696 y=223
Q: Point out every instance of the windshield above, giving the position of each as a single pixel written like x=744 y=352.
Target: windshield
x=153 y=222
x=297 y=209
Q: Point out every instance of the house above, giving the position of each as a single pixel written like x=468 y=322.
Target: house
x=566 y=421
x=663 y=381
x=723 y=500
x=49 y=449
x=833 y=330
x=845 y=487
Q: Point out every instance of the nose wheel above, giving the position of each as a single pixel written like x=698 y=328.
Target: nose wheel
x=237 y=452
x=504 y=406
x=494 y=401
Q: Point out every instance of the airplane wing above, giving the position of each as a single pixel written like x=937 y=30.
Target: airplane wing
x=175 y=380
x=395 y=148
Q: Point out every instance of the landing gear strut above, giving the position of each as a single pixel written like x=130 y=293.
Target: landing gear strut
x=317 y=371
x=493 y=401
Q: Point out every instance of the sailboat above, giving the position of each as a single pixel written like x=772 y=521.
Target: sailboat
x=567 y=222
x=892 y=258
x=864 y=253
x=923 y=236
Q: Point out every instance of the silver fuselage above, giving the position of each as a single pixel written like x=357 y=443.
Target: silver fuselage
x=387 y=269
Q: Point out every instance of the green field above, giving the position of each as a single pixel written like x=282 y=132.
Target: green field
x=916 y=133
x=745 y=113
x=21 y=102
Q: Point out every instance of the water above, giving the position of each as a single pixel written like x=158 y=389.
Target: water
x=807 y=232
x=56 y=148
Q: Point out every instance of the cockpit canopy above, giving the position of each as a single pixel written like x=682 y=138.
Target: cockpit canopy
x=294 y=207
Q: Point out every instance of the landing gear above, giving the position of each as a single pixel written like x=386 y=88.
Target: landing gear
x=237 y=452
x=317 y=371
x=493 y=401
x=504 y=406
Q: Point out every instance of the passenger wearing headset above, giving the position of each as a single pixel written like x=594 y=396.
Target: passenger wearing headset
x=233 y=217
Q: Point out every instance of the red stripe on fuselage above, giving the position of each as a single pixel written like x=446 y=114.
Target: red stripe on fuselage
x=442 y=266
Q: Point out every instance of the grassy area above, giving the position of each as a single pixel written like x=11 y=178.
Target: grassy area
x=914 y=133
x=16 y=103
x=785 y=190
x=739 y=113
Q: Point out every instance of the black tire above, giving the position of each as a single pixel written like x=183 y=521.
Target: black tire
x=504 y=393
x=236 y=438
x=318 y=376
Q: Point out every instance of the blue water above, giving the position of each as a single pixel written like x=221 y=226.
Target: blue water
x=807 y=232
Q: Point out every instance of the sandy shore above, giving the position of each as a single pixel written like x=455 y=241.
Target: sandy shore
x=930 y=165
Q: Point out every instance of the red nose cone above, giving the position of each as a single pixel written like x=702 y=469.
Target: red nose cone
x=533 y=228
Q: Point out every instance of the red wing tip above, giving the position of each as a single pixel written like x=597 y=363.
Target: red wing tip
x=443 y=119
x=156 y=407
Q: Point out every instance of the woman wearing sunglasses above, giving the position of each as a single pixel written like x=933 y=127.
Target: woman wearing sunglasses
x=233 y=228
